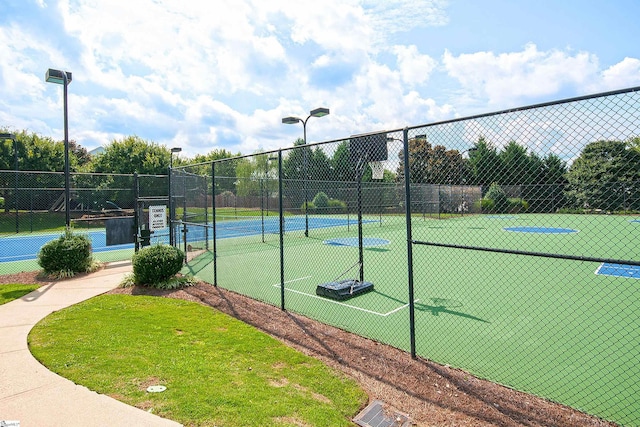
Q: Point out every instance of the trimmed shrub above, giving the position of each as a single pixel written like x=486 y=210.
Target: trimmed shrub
x=321 y=202
x=66 y=255
x=155 y=264
x=337 y=206
x=1 y=202
x=310 y=207
x=484 y=205
x=497 y=194
x=517 y=205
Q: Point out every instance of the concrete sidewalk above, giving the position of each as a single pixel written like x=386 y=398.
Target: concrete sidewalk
x=35 y=396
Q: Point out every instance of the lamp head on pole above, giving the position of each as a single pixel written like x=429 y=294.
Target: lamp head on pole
x=173 y=150
x=319 y=112
x=57 y=76
x=7 y=136
x=291 y=120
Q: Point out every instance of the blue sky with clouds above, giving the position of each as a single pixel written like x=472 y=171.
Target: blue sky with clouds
x=211 y=74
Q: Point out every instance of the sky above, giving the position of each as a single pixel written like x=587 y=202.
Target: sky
x=206 y=75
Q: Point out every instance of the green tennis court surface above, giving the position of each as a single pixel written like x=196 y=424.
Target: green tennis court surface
x=558 y=328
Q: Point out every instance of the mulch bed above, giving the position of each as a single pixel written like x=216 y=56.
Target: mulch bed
x=429 y=393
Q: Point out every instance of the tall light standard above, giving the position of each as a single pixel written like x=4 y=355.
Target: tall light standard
x=63 y=78
x=318 y=112
x=266 y=178
x=12 y=137
x=469 y=151
x=171 y=205
x=173 y=150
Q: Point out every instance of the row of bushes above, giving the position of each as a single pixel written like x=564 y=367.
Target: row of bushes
x=322 y=204
x=71 y=253
x=496 y=201
x=512 y=205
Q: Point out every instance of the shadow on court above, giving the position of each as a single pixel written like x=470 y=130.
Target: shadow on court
x=440 y=306
x=436 y=310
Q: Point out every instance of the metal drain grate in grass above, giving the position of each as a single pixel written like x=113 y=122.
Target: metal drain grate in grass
x=375 y=415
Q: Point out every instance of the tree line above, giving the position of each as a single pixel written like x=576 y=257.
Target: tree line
x=605 y=175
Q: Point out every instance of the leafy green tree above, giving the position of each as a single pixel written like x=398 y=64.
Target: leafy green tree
x=293 y=165
x=295 y=170
x=606 y=176
x=341 y=166
x=247 y=182
x=419 y=150
x=432 y=165
x=320 y=167
x=36 y=153
x=549 y=193
x=225 y=171
x=485 y=163
x=516 y=165
x=132 y=154
x=127 y=156
x=80 y=155
x=634 y=143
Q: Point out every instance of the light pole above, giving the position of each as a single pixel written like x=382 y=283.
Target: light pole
x=462 y=180
x=173 y=150
x=318 y=112
x=171 y=206
x=266 y=177
x=12 y=137
x=63 y=78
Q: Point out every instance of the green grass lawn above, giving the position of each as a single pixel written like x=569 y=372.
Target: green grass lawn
x=14 y=291
x=217 y=370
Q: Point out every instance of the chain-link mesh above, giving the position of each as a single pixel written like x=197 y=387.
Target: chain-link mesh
x=511 y=251
x=34 y=203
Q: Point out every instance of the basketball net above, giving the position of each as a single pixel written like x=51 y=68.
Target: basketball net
x=377 y=170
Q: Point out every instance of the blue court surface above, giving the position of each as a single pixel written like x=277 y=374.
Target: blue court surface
x=353 y=241
x=20 y=248
x=619 y=270
x=251 y=226
x=542 y=230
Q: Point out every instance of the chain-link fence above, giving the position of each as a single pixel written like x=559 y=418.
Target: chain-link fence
x=110 y=208
x=511 y=251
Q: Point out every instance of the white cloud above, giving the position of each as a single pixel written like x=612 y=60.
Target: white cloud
x=414 y=67
x=222 y=74
x=624 y=74
x=507 y=78
x=391 y=16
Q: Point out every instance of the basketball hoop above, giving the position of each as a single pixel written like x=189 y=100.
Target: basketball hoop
x=377 y=170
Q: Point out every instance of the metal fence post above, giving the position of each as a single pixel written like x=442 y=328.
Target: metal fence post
x=206 y=214
x=281 y=212
x=171 y=210
x=213 y=209
x=407 y=207
x=136 y=214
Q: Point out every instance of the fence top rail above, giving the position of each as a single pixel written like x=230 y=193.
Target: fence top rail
x=146 y=199
x=32 y=172
x=530 y=107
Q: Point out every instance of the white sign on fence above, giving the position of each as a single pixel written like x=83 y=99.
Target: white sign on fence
x=157 y=218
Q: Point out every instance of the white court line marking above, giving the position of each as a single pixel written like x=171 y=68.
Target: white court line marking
x=277 y=285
